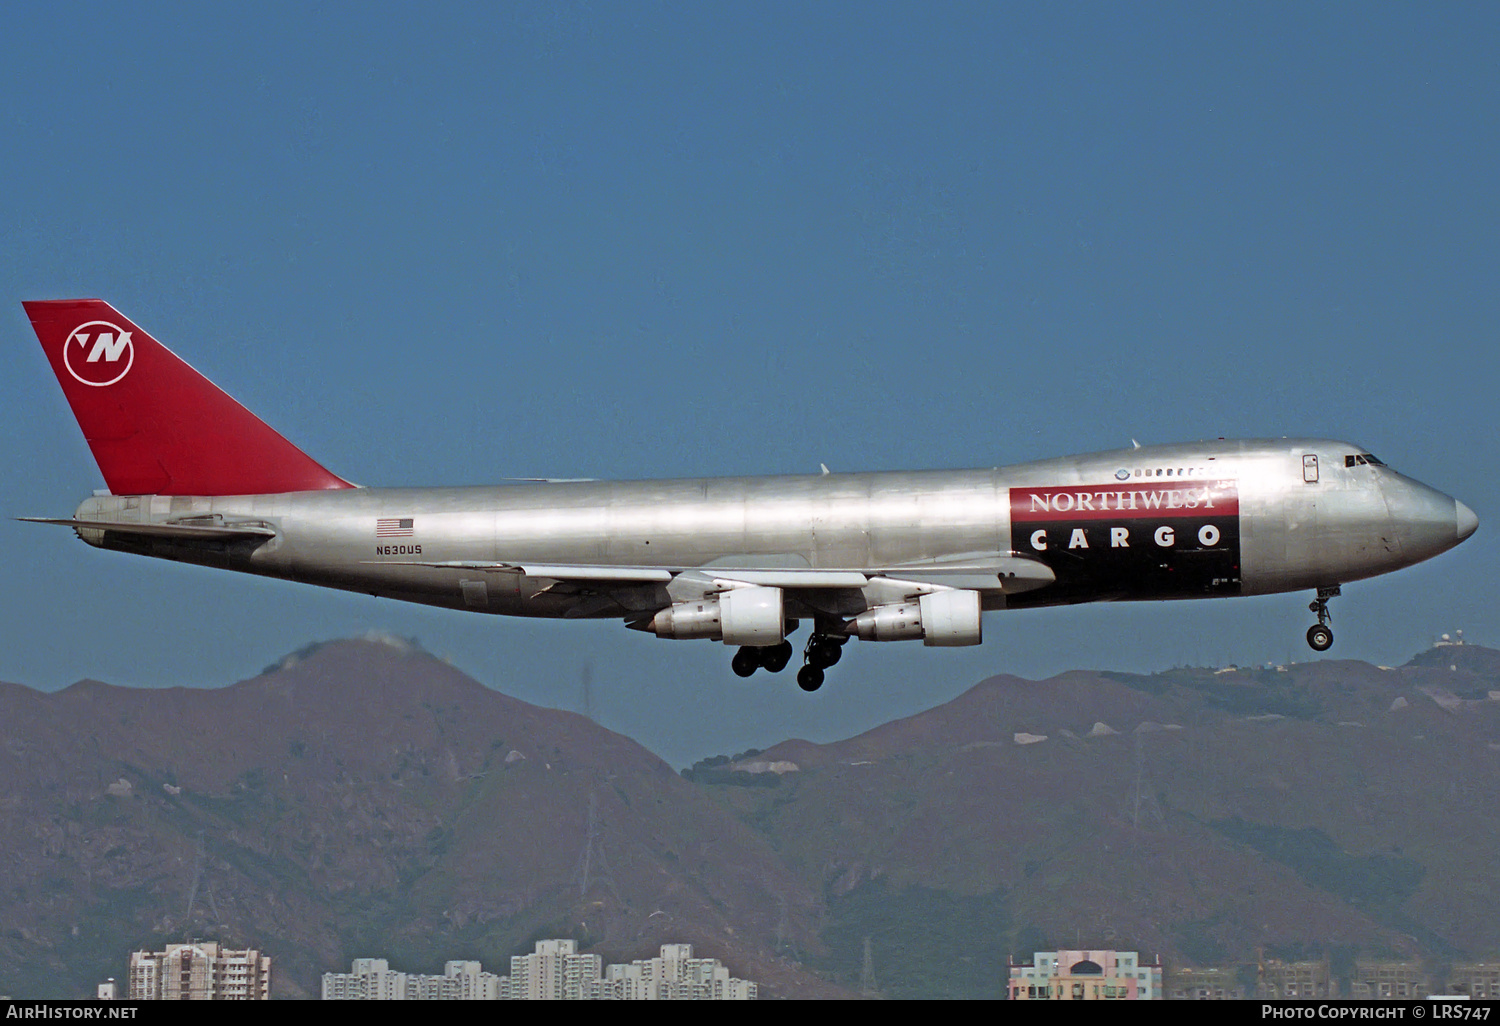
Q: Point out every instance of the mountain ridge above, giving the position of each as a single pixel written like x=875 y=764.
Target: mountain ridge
x=362 y=797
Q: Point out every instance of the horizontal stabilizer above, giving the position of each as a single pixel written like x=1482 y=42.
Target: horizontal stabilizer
x=187 y=531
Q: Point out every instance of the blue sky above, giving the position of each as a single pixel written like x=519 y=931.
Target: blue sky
x=451 y=243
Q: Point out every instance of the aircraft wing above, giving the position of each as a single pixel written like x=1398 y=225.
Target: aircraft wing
x=978 y=572
x=995 y=571
x=551 y=571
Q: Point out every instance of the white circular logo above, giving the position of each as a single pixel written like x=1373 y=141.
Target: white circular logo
x=98 y=353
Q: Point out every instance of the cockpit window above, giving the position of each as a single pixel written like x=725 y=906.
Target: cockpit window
x=1362 y=459
x=1372 y=459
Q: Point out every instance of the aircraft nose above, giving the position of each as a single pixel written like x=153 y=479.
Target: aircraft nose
x=1426 y=520
x=1464 y=520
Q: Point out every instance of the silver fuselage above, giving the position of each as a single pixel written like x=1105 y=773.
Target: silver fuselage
x=1188 y=520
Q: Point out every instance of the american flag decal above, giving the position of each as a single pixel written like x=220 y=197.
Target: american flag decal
x=393 y=528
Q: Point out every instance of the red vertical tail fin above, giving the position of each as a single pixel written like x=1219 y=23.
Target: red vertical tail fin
x=155 y=425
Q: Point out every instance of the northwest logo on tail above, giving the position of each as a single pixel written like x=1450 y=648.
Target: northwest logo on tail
x=98 y=353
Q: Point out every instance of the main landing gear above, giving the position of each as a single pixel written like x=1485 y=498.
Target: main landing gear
x=1320 y=636
x=772 y=657
x=823 y=650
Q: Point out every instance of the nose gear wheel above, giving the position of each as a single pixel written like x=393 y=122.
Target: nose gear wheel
x=1320 y=635
x=1320 y=638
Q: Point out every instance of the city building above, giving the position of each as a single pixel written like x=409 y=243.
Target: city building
x=675 y=975
x=554 y=971
x=199 y=971
x=372 y=979
x=1479 y=980
x=1375 y=980
x=1093 y=975
x=461 y=981
x=369 y=979
x=1208 y=984
x=1281 y=980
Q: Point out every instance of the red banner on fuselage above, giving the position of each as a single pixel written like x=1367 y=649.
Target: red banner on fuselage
x=1130 y=501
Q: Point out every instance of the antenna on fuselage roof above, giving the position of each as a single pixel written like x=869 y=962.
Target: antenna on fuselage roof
x=1134 y=444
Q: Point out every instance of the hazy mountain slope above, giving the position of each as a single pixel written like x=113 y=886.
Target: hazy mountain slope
x=364 y=800
x=1207 y=816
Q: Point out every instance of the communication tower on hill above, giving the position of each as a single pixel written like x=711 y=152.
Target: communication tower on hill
x=593 y=865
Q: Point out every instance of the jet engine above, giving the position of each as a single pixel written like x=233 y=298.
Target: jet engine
x=943 y=618
x=740 y=616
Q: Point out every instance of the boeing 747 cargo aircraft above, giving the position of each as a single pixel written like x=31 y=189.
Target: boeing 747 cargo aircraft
x=193 y=476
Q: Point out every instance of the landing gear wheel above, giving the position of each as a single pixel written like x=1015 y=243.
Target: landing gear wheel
x=810 y=678
x=775 y=657
x=823 y=651
x=1320 y=638
x=745 y=662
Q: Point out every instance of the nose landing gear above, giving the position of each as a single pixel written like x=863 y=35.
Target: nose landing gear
x=1320 y=635
x=1320 y=638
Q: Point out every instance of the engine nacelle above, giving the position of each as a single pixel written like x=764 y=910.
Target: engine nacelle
x=896 y=622
x=740 y=616
x=753 y=616
x=951 y=619
x=700 y=619
x=944 y=618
